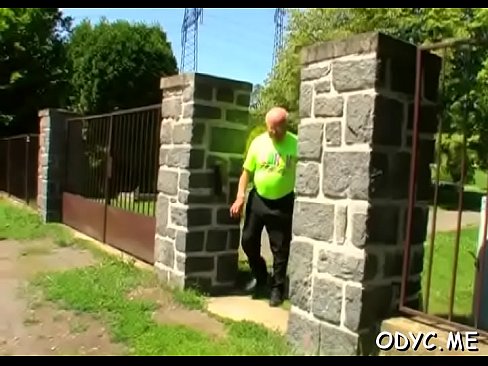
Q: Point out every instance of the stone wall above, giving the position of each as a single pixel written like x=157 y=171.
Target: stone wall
x=51 y=165
x=203 y=136
x=356 y=99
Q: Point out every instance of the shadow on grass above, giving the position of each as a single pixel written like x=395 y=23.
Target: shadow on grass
x=448 y=197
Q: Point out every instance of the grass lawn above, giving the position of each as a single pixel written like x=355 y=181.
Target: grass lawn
x=103 y=290
x=143 y=207
x=442 y=273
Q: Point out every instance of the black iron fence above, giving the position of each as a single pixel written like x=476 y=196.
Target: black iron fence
x=18 y=167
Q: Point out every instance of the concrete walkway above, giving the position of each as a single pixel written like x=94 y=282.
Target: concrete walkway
x=245 y=308
x=240 y=308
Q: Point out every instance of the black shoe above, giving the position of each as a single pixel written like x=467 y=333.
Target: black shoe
x=259 y=290
x=276 y=297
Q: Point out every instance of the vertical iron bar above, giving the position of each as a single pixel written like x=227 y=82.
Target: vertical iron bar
x=92 y=143
x=108 y=171
x=481 y=264
x=139 y=169
x=436 y=187
x=155 y=152
x=8 y=167
x=130 y=139
x=413 y=177
x=458 y=229
x=117 y=126
x=145 y=146
x=147 y=173
x=26 y=169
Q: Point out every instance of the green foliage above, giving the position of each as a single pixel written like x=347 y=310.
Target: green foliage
x=33 y=72
x=466 y=70
x=118 y=65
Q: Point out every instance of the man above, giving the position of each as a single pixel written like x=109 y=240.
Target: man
x=271 y=164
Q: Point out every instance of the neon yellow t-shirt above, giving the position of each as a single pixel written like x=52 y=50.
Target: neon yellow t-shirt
x=273 y=165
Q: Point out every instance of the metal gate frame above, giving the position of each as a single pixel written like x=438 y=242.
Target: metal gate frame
x=403 y=308
x=132 y=232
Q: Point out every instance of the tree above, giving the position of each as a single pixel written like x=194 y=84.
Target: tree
x=465 y=96
x=33 y=73
x=117 y=65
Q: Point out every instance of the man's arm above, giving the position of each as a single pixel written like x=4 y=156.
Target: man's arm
x=243 y=183
x=247 y=171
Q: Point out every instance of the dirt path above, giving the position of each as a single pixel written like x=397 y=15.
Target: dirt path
x=31 y=326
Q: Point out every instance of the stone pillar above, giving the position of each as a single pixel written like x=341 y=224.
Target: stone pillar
x=345 y=269
x=203 y=136
x=52 y=146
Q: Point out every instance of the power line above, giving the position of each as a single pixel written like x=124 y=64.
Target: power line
x=189 y=39
x=279 y=20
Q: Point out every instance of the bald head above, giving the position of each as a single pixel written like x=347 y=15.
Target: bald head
x=276 y=119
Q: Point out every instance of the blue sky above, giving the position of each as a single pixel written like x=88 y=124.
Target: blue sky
x=233 y=43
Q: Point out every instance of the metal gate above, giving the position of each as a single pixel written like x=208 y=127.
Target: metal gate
x=110 y=187
x=458 y=112
x=18 y=167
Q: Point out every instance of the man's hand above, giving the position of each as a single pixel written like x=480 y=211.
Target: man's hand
x=236 y=208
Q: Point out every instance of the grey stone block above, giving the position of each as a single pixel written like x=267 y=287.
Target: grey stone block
x=388 y=121
x=195 y=264
x=346 y=174
x=382 y=224
x=337 y=342
x=186 y=133
x=359 y=119
x=243 y=100
x=322 y=86
x=225 y=94
x=313 y=220
x=203 y=91
x=366 y=307
x=165 y=252
x=307 y=179
x=353 y=45
x=306 y=99
x=300 y=273
x=191 y=217
x=171 y=108
x=165 y=135
x=380 y=175
x=359 y=234
x=234 y=239
x=310 y=141
x=333 y=133
x=327 y=300
x=303 y=334
x=206 y=112
x=227 y=140
x=189 y=242
x=216 y=240
x=341 y=265
x=314 y=73
x=354 y=74
x=180 y=263
x=185 y=157
x=237 y=116
x=325 y=106
x=393 y=264
x=167 y=181
x=227 y=267
x=223 y=217
x=162 y=209
x=340 y=224
x=163 y=155
x=400 y=174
